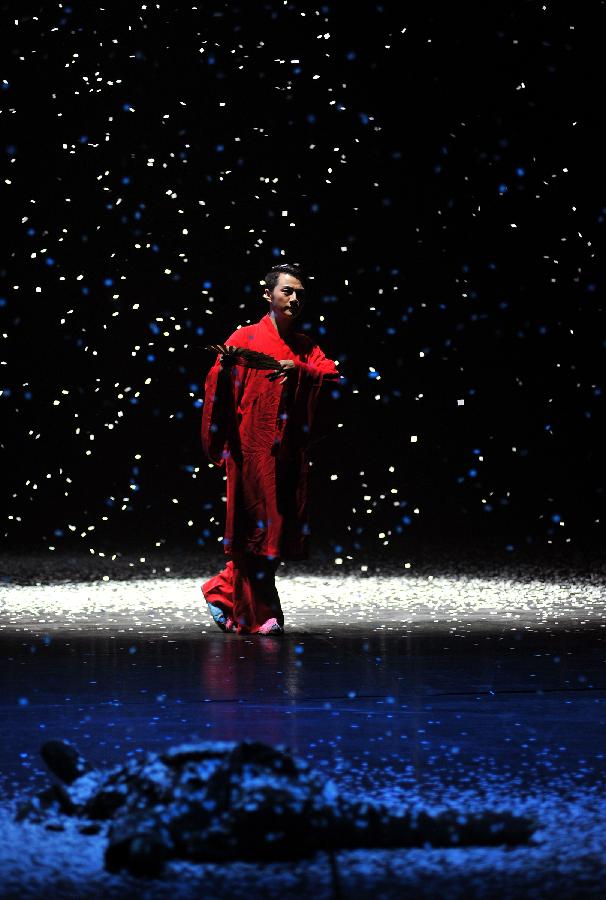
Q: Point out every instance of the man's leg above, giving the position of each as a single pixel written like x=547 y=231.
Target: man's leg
x=255 y=597
x=267 y=600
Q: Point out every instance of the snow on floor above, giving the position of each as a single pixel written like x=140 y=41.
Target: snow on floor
x=566 y=860
x=309 y=600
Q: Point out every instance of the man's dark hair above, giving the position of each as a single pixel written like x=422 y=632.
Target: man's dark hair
x=271 y=279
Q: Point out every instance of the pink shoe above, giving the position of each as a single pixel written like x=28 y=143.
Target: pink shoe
x=270 y=627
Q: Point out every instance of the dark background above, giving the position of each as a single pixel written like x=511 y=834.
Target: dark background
x=444 y=178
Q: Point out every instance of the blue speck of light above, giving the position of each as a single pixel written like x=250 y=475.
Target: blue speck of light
x=555 y=518
x=108 y=282
x=520 y=172
x=275 y=251
x=472 y=473
x=49 y=261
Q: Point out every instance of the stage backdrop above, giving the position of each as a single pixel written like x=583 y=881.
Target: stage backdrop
x=439 y=175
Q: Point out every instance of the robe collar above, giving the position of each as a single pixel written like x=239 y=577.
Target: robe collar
x=269 y=326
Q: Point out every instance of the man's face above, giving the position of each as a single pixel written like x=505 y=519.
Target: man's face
x=286 y=299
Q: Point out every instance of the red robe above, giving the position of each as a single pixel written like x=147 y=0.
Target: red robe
x=260 y=430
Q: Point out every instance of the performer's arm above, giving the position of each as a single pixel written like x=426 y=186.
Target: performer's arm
x=318 y=367
x=219 y=422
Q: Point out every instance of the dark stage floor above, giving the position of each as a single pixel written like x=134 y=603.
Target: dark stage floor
x=450 y=685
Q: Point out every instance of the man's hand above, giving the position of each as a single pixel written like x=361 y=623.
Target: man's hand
x=228 y=360
x=286 y=366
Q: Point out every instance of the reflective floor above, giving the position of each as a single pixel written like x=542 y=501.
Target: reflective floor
x=428 y=702
x=395 y=685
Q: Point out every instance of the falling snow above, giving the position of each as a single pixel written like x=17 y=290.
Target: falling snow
x=158 y=163
x=439 y=178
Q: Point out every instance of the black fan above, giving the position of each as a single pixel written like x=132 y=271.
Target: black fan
x=252 y=359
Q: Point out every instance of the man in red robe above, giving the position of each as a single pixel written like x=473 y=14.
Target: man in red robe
x=258 y=425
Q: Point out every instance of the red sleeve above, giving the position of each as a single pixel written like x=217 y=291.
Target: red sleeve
x=219 y=421
x=318 y=366
x=217 y=412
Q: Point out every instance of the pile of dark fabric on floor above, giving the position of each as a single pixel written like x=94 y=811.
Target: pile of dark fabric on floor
x=212 y=802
